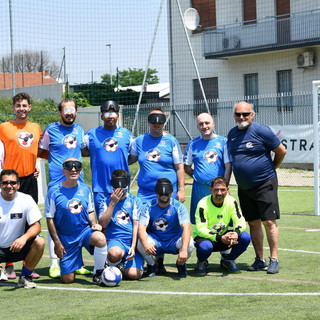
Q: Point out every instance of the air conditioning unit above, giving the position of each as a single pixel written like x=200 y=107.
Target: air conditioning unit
x=232 y=42
x=306 y=59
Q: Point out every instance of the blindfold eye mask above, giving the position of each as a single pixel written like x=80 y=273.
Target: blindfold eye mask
x=69 y=165
x=120 y=182
x=163 y=188
x=157 y=118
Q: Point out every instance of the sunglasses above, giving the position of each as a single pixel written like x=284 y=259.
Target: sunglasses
x=244 y=114
x=69 y=165
x=12 y=183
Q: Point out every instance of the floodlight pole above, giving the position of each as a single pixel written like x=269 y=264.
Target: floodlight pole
x=12 y=51
x=109 y=45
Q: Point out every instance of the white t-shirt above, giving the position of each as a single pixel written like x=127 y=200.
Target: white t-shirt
x=15 y=215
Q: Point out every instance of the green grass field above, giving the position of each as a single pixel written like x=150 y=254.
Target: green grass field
x=294 y=292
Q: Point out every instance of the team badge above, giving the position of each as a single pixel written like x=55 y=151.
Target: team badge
x=70 y=142
x=218 y=227
x=249 y=145
x=153 y=155
x=161 y=224
x=211 y=156
x=123 y=217
x=119 y=134
x=25 y=139
x=163 y=142
x=75 y=206
x=111 y=144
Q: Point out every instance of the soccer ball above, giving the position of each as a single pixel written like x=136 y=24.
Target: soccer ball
x=111 y=276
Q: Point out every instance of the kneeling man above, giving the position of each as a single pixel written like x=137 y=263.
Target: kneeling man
x=219 y=226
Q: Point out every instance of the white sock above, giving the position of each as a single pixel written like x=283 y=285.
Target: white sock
x=100 y=256
x=112 y=263
x=53 y=256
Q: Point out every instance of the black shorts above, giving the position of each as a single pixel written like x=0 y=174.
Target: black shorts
x=29 y=185
x=6 y=255
x=260 y=202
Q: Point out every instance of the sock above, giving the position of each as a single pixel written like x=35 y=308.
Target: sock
x=53 y=256
x=25 y=272
x=112 y=263
x=100 y=256
x=9 y=264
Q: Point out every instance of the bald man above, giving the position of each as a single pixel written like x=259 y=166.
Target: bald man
x=209 y=157
x=250 y=145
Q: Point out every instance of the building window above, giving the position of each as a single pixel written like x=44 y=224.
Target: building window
x=210 y=87
x=284 y=90
x=249 y=11
x=251 y=89
x=207 y=13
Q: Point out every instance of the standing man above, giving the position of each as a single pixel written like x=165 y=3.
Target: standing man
x=164 y=227
x=219 y=227
x=72 y=222
x=19 y=228
x=209 y=156
x=20 y=138
x=250 y=145
x=62 y=140
x=109 y=147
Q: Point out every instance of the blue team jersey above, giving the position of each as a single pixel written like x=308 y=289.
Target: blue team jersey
x=249 y=151
x=208 y=158
x=164 y=224
x=70 y=208
x=157 y=157
x=62 y=142
x=109 y=150
x=121 y=223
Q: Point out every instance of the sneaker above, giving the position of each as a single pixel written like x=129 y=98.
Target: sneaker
x=26 y=282
x=230 y=266
x=35 y=275
x=83 y=271
x=54 y=271
x=10 y=272
x=3 y=275
x=151 y=270
x=201 y=267
x=96 y=279
x=160 y=266
x=182 y=270
x=258 y=265
x=273 y=266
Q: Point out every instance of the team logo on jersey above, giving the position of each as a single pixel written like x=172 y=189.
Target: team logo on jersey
x=168 y=213
x=153 y=155
x=70 y=142
x=123 y=217
x=218 y=227
x=163 y=142
x=127 y=204
x=211 y=156
x=25 y=139
x=111 y=144
x=75 y=206
x=249 y=145
x=161 y=224
x=118 y=134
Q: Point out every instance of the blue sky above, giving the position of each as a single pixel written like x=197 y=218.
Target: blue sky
x=84 y=27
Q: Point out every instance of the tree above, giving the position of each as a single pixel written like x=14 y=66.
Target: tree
x=131 y=77
x=30 y=61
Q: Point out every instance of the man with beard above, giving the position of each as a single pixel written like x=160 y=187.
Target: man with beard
x=164 y=227
x=62 y=139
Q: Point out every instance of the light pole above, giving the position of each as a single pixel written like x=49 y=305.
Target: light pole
x=109 y=45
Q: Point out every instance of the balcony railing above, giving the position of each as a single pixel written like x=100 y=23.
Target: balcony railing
x=271 y=33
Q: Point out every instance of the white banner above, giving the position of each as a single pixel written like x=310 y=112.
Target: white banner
x=298 y=140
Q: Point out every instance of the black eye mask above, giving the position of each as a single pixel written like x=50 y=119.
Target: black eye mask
x=163 y=188
x=120 y=182
x=157 y=118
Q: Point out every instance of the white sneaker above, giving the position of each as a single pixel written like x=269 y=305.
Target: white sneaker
x=26 y=282
x=3 y=276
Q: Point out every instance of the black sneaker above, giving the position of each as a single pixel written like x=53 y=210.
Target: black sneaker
x=258 y=265
x=182 y=270
x=160 y=267
x=151 y=270
x=273 y=266
x=230 y=266
x=96 y=279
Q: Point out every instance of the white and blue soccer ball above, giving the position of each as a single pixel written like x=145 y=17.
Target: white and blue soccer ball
x=111 y=276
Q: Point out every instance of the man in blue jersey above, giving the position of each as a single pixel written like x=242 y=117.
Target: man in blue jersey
x=164 y=227
x=59 y=141
x=209 y=156
x=120 y=217
x=219 y=226
x=250 y=145
x=108 y=147
x=72 y=222
x=159 y=155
